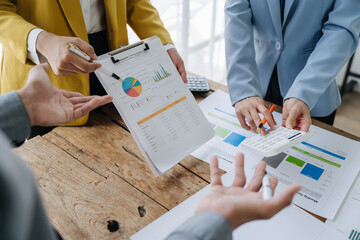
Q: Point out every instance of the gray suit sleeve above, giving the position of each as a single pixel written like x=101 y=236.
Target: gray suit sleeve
x=204 y=226
x=22 y=215
x=14 y=120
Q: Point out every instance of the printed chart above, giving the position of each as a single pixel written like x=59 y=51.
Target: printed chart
x=324 y=165
x=162 y=115
x=161 y=74
x=132 y=87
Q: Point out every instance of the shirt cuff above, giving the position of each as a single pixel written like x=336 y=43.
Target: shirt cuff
x=169 y=46
x=32 y=54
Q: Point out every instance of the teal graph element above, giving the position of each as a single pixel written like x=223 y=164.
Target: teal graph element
x=160 y=75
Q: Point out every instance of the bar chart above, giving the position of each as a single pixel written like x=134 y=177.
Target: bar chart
x=161 y=74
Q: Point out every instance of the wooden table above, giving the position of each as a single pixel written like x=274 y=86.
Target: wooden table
x=95 y=183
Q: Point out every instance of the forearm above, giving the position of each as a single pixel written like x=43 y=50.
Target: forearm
x=337 y=44
x=204 y=226
x=242 y=71
x=144 y=19
x=14 y=120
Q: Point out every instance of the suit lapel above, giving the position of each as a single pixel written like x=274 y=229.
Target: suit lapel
x=288 y=5
x=73 y=13
x=274 y=8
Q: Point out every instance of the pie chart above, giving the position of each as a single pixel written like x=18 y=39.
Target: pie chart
x=132 y=87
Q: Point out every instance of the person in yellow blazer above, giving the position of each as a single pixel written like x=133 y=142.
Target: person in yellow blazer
x=64 y=21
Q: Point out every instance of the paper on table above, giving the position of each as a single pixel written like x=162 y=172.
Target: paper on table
x=347 y=220
x=277 y=140
x=325 y=165
x=156 y=105
x=291 y=223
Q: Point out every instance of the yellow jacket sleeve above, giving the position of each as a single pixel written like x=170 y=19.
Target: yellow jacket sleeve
x=144 y=19
x=14 y=30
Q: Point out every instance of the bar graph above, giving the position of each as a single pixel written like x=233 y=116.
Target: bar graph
x=354 y=235
x=161 y=75
x=312 y=171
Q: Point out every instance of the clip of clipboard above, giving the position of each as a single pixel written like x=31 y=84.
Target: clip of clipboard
x=123 y=49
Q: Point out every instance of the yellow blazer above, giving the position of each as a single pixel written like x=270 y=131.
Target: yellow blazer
x=64 y=18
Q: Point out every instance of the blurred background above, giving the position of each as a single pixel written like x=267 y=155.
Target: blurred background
x=197 y=29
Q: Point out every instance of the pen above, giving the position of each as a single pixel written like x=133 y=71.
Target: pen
x=109 y=73
x=263 y=121
x=73 y=48
x=267 y=192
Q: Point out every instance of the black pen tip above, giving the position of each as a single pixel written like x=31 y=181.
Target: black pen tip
x=115 y=76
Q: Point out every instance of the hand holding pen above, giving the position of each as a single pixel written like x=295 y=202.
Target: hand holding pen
x=241 y=202
x=73 y=48
x=263 y=121
x=248 y=112
x=62 y=61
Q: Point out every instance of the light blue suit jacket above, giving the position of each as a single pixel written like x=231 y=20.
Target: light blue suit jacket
x=315 y=40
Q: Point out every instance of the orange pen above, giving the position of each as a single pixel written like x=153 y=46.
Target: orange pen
x=263 y=121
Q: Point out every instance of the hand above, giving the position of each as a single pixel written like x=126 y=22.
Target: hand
x=296 y=115
x=47 y=105
x=249 y=109
x=63 y=61
x=178 y=62
x=238 y=204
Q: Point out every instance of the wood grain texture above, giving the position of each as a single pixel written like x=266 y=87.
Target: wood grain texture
x=81 y=199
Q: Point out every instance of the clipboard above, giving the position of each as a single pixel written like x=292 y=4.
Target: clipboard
x=155 y=104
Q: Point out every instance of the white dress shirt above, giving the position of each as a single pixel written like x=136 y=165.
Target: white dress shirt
x=95 y=21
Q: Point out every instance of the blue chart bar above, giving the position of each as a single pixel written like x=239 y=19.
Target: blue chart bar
x=234 y=139
x=312 y=171
x=323 y=150
x=222 y=111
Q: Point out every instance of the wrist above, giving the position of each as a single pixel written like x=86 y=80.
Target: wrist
x=43 y=40
x=27 y=104
x=296 y=100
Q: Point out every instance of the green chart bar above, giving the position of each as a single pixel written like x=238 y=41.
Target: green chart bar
x=354 y=235
x=221 y=132
x=296 y=161
x=316 y=157
x=224 y=119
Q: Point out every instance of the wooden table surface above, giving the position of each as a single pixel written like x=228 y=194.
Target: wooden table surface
x=95 y=183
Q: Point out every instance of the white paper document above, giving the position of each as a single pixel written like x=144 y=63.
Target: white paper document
x=291 y=223
x=276 y=140
x=156 y=105
x=325 y=165
x=347 y=220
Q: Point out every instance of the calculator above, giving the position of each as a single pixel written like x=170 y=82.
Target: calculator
x=198 y=84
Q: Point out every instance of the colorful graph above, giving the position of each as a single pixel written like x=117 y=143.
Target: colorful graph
x=132 y=87
x=161 y=75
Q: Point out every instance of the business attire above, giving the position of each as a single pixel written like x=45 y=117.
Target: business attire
x=300 y=45
x=204 y=226
x=65 y=18
x=22 y=215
